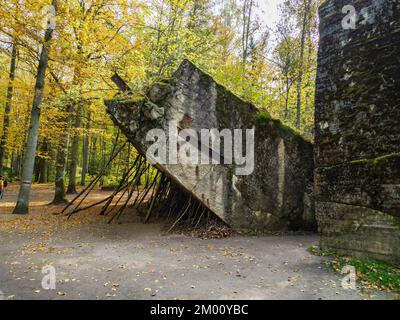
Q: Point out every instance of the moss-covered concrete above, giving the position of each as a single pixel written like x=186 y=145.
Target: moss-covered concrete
x=357 y=142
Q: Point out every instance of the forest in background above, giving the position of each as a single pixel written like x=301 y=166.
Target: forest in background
x=142 y=41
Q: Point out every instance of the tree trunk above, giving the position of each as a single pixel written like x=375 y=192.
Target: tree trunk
x=287 y=99
x=42 y=177
x=92 y=156
x=36 y=170
x=6 y=119
x=85 y=152
x=74 y=153
x=12 y=165
x=301 y=63
x=49 y=171
x=22 y=206
x=247 y=14
x=16 y=165
x=103 y=160
x=60 y=195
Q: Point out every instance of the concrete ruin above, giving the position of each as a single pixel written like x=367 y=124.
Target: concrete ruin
x=349 y=182
x=277 y=196
x=357 y=143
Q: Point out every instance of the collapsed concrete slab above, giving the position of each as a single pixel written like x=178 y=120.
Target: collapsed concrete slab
x=357 y=143
x=276 y=196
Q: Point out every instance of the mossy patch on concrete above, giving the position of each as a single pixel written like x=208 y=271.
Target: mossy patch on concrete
x=125 y=100
x=379 y=161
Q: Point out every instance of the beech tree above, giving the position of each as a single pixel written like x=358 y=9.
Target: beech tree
x=22 y=206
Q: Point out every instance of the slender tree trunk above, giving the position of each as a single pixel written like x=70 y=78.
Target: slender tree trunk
x=128 y=160
x=247 y=14
x=20 y=159
x=12 y=165
x=301 y=64
x=36 y=170
x=85 y=152
x=60 y=195
x=22 y=206
x=103 y=159
x=92 y=156
x=6 y=119
x=74 y=153
x=287 y=99
x=16 y=165
x=48 y=171
x=42 y=170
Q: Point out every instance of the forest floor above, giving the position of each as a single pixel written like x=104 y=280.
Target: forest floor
x=131 y=260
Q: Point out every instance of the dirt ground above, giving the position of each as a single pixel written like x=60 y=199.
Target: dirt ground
x=130 y=260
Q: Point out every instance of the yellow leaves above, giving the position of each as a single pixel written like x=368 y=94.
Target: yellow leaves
x=36 y=247
x=141 y=40
x=46 y=224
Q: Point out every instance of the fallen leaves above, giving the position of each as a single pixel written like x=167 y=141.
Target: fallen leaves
x=215 y=231
x=47 y=224
x=231 y=252
x=151 y=291
x=36 y=247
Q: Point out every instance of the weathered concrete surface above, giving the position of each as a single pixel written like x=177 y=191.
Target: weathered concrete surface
x=358 y=130
x=277 y=196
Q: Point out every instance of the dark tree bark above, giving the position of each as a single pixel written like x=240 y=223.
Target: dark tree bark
x=6 y=118
x=36 y=170
x=42 y=164
x=92 y=156
x=60 y=195
x=85 y=152
x=16 y=165
x=103 y=159
x=74 y=153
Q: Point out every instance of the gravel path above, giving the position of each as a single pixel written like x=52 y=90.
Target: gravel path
x=130 y=260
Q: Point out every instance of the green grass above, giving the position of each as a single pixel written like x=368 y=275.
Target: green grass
x=371 y=274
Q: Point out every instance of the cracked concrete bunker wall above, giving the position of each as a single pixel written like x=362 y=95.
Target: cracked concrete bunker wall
x=357 y=147
x=276 y=197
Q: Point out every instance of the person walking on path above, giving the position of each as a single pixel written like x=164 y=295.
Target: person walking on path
x=3 y=185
